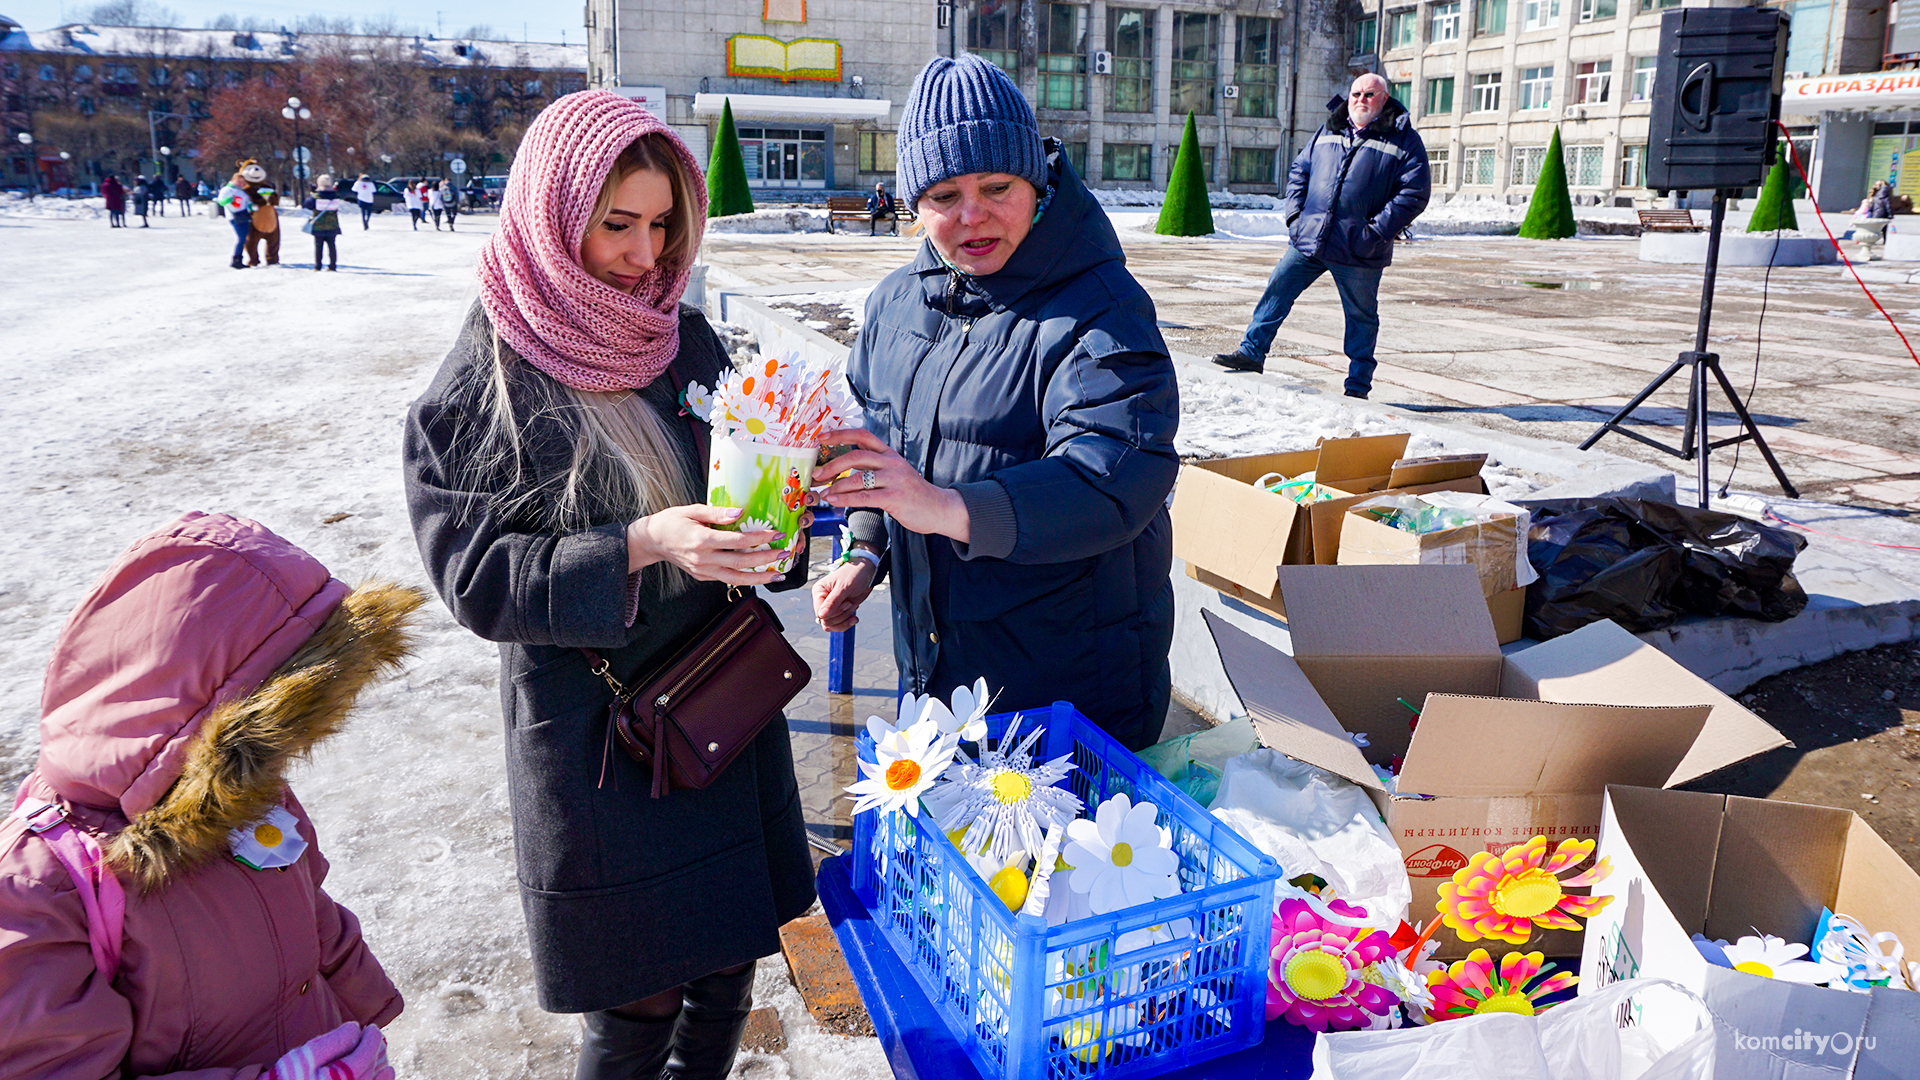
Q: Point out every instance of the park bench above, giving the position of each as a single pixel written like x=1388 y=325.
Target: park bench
x=1667 y=221
x=854 y=208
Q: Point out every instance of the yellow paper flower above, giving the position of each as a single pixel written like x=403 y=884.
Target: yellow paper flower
x=1506 y=896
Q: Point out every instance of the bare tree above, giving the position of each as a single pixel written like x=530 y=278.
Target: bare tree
x=479 y=32
x=131 y=13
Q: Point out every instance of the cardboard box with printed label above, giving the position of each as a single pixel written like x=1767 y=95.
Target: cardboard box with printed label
x=1487 y=546
x=1728 y=867
x=1507 y=747
x=1232 y=534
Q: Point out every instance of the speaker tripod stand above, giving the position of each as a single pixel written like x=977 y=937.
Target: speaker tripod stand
x=1696 y=440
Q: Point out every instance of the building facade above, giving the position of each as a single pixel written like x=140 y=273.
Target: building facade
x=109 y=97
x=817 y=85
x=1488 y=82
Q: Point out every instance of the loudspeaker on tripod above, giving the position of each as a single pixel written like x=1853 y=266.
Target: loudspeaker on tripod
x=1716 y=95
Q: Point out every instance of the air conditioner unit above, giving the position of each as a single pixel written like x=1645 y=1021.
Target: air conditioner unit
x=1102 y=62
x=1796 y=74
x=1232 y=91
x=1574 y=112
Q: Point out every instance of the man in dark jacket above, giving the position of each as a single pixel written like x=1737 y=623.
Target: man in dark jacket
x=1360 y=182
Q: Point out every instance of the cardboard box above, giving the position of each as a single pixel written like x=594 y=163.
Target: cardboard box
x=1508 y=747
x=1487 y=546
x=1725 y=866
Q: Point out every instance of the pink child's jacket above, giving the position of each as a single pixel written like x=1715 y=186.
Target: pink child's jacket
x=211 y=654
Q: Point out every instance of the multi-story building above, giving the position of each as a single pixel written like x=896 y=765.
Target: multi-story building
x=1488 y=82
x=817 y=85
x=111 y=96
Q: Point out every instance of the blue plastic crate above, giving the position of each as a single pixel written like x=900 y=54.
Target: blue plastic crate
x=1027 y=1001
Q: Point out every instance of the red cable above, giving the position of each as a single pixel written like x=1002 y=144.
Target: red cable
x=1837 y=536
x=1794 y=155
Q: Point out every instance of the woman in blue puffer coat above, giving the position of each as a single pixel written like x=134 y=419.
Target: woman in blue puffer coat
x=1021 y=410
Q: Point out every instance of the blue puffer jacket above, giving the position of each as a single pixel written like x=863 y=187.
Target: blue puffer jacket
x=1348 y=196
x=1044 y=395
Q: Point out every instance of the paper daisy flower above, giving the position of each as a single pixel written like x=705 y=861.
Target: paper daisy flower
x=1473 y=986
x=1315 y=977
x=1003 y=801
x=1506 y=896
x=906 y=764
x=1776 y=958
x=967 y=716
x=753 y=419
x=1121 y=858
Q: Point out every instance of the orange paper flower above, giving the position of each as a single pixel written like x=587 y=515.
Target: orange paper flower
x=1472 y=986
x=1505 y=896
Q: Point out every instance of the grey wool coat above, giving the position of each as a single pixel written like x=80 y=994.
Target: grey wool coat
x=625 y=895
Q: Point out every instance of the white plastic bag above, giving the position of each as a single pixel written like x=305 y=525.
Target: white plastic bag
x=1579 y=1040
x=1313 y=822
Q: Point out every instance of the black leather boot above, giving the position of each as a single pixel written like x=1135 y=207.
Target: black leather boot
x=710 y=1026
x=616 y=1047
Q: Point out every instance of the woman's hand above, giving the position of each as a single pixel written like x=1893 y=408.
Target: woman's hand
x=838 y=596
x=686 y=536
x=877 y=477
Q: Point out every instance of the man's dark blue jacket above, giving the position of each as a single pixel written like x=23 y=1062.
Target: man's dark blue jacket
x=1349 y=195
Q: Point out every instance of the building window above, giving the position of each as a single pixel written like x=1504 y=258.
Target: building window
x=1403 y=29
x=1127 y=161
x=1250 y=165
x=1586 y=166
x=234 y=78
x=1591 y=81
x=1257 y=70
x=1527 y=161
x=159 y=76
x=194 y=78
x=1536 y=88
x=1196 y=63
x=1480 y=165
x=1643 y=69
x=1130 y=40
x=1539 y=14
x=12 y=70
x=1446 y=22
x=876 y=152
x=82 y=73
x=533 y=87
x=1364 y=33
x=1633 y=165
x=1649 y=5
x=1437 y=165
x=198 y=109
x=1401 y=92
x=1206 y=160
x=784 y=157
x=1486 y=92
x=47 y=73
x=1489 y=18
x=1440 y=96
x=1076 y=153
x=1595 y=10
x=992 y=33
x=87 y=106
x=1063 y=56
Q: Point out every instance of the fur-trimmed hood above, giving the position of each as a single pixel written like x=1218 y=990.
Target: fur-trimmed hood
x=208 y=657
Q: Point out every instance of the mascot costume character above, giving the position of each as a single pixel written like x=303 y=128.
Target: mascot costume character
x=254 y=218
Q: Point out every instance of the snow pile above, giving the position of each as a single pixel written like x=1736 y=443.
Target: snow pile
x=851 y=303
x=15 y=204
x=771 y=221
x=1219 y=200
x=1250 y=225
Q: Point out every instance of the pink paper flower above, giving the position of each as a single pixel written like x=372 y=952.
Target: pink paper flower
x=1316 y=978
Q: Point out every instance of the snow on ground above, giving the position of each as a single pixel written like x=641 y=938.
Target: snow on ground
x=142 y=378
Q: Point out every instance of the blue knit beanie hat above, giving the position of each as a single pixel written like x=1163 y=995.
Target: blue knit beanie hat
x=965 y=116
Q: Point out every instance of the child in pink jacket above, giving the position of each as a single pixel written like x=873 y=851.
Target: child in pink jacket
x=211 y=655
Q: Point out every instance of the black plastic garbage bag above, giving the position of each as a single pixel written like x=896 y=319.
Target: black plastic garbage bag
x=1644 y=564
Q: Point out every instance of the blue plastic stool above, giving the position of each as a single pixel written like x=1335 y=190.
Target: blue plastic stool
x=826 y=522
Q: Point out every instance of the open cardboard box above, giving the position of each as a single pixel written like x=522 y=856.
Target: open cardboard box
x=1487 y=546
x=1232 y=534
x=1725 y=866
x=1508 y=747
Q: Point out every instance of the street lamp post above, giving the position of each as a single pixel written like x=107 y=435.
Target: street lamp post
x=33 y=165
x=66 y=160
x=296 y=113
x=165 y=164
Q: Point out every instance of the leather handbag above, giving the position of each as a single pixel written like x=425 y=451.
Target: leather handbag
x=693 y=715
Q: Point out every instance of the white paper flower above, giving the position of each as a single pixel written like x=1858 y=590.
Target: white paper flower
x=749 y=523
x=699 y=400
x=1776 y=958
x=966 y=717
x=1063 y=903
x=753 y=418
x=1003 y=801
x=1121 y=858
x=906 y=764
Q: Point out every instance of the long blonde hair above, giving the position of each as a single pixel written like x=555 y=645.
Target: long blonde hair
x=623 y=462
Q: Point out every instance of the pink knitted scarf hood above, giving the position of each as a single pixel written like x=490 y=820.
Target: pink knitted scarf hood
x=563 y=320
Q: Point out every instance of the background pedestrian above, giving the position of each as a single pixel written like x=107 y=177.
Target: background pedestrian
x=115 y=197
x=363 y=193
x=325 y=202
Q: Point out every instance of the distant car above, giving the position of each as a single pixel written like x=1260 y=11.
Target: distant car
x=385 y=195
x=488 y=195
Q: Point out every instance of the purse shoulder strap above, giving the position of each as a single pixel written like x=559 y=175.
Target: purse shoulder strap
x=101 y=894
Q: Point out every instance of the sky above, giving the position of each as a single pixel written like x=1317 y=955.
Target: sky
x=538 y=22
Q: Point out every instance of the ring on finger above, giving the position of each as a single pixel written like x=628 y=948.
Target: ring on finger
x=866 y=479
